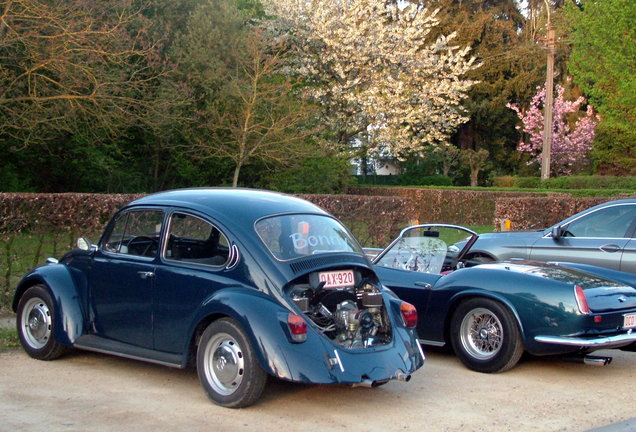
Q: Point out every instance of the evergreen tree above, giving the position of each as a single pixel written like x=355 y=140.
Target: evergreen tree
x=512 y=65
x=602 y=63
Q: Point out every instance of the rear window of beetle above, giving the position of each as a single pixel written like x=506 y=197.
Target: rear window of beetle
x=294 y=236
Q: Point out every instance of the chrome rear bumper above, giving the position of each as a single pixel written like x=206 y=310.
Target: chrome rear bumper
x=597 y=342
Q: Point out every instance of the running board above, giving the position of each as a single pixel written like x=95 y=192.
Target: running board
x=120 y=349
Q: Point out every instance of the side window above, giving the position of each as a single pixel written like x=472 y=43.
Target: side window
x=610 y=222
x=193 y=240
x=136 y=233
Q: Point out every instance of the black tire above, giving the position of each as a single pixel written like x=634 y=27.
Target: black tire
x=485 y=336
x=227 y=366
x=35 y=323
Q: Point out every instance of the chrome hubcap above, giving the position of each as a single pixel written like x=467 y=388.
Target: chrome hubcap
x=36 y=323
x=224 y=364
x=481 y=333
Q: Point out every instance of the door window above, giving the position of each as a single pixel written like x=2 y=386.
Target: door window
x=136 y=233
x=194 y=240
x=609 y=222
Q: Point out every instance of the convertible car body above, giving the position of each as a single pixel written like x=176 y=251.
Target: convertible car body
x=240 y=283
x=490 y=313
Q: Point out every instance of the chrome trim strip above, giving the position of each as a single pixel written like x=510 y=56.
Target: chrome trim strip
x=430 y=342
x=339 y=361
x=419 y=347
x=599 y=342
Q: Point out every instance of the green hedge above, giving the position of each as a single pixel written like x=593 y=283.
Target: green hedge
x=455 y=206
x=624 y=184
x=404 y=180
x=537 y=213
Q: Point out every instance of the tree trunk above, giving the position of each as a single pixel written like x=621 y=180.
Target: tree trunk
x=474 y=176
x=237 y=170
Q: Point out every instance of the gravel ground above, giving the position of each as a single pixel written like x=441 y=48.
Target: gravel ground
x=86 y=390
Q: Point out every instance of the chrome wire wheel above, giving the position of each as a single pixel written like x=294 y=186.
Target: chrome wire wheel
x=35 y=323
x=481 y=333
x=224 y=364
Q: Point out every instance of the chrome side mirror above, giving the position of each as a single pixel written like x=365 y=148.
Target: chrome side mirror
x=84 y=244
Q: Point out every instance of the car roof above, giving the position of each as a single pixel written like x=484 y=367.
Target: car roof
x=230 y=204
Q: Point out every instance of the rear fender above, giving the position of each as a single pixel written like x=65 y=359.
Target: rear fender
x=69 y=317
x=317 y=359
x=614 y=275
x=456 y=299
x=265 y=323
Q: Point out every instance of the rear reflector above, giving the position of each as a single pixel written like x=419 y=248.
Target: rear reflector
x=297 y=327
x=581 y=300
x=409 y=314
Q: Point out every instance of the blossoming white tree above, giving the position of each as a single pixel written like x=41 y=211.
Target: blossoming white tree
x=370 y=64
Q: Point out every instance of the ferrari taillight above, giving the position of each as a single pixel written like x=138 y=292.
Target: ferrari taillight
x=297 y=327
x=409 y=314
x=581 y=300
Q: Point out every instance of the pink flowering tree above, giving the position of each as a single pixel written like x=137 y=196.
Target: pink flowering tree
x=570 y=146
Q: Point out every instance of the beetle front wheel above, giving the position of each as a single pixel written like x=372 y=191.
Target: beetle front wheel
x=227 y=366
x=36 y=322
x=485 y=336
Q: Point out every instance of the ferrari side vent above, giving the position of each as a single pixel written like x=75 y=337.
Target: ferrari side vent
x=307 y=264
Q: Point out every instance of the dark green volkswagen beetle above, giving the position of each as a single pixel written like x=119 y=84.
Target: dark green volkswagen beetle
x=490 y=313
x=241 y=283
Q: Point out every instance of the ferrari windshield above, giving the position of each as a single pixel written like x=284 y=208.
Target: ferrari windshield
x=294 y=236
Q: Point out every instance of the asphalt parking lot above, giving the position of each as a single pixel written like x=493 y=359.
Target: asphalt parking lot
x=84 y=391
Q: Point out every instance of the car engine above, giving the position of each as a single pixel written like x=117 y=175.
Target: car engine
x=353 y=317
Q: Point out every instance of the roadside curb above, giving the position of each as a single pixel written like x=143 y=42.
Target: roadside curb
x=7 y=321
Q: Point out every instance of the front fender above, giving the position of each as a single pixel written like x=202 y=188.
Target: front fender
x=69 y=314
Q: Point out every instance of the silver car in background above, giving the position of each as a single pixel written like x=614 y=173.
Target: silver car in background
x=603 y=235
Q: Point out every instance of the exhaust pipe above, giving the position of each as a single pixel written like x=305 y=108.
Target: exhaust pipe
x=401 y=376
x=590 y=360
x=597 y=360
x=367 y=383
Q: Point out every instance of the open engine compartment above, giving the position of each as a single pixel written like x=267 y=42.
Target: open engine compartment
x=352 y=315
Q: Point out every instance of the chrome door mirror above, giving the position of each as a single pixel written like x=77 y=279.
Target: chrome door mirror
x=84 y=244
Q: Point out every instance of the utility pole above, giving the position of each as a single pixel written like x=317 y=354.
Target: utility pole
x=549 y=101
x=550 y=46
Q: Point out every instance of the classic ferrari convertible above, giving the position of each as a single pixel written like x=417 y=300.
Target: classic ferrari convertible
x=490 y=313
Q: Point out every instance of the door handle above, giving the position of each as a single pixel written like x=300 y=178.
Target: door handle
x=611 y=248
x=145 y=274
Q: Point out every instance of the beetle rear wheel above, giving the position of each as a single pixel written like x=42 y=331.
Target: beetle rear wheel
x=227 y=366
x=36 y=322
x=485 y=336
